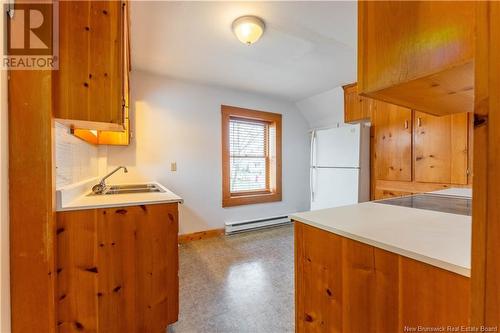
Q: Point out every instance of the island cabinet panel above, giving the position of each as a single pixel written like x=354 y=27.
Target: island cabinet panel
x=432 y=296
x=117 y=269
x=318 y=281
x=417 y=54
x=441 y=148
x=393 y=142
x=367 y=274
x=89 y=89
x=346 y=286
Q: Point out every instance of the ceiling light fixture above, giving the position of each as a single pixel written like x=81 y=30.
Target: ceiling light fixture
x=248 y=29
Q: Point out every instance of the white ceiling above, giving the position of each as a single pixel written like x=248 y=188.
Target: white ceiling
x=307 y=48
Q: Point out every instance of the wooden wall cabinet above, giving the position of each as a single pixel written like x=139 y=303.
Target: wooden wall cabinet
x=441 y=148
x=416 y=152
x=393 y=142
x=356 y=108
x=91 y=85
x=417 y=54
x=347 y=286
x=117 y=269
x=412 y=151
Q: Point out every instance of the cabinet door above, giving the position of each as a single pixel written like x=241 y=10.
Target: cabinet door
x=157 y=263
x=118 y=269
x=116 y=258
x=441 y=145
x=393 y=134
x=352 y=106
x=89 y=89
x=115 y=138
x=356 y=108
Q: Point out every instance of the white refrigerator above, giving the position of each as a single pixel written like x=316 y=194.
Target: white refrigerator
x=340 y=166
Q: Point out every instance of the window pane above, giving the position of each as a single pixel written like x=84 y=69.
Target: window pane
x=247 y=138
x=248 y=173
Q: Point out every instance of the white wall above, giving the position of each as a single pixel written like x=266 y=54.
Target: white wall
x=4 y=203
x=325 y=109
x=76 y=160
x=181 y=122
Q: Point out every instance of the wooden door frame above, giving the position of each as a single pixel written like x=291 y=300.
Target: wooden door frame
x=485 y=307
x=31 y=201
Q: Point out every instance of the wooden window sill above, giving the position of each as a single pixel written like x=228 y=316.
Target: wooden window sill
x=251 y=199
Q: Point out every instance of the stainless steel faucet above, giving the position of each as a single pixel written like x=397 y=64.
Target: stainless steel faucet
x=99 y=188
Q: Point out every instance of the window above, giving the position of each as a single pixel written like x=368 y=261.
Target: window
x=251 y=156
x=248 y=155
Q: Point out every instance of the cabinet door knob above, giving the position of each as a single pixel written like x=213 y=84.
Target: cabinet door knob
x=406 y=124
x=419 y=122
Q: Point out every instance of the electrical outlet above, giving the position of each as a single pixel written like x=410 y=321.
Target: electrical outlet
x=173 y=166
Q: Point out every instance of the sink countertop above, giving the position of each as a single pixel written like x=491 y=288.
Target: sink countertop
x=436 y=238
x=75 y=197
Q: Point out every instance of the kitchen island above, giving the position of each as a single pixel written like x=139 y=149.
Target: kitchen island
x=378 y=267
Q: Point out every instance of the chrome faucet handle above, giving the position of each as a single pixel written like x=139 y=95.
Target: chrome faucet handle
x=99 y=188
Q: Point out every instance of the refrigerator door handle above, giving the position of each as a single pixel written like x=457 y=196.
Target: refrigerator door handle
x=312 y=180
x=313 y=164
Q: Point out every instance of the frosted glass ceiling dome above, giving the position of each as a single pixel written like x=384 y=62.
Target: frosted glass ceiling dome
x=248 y=29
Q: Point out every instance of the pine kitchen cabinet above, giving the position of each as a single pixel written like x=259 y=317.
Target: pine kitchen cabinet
x=415 y=152
x=417 y=54
x=91 y=85
x=412 y=151
x=441 y=148
x=117 y=269
x=356 y=108
x=393 y=142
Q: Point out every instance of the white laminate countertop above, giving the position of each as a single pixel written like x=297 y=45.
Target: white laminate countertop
x=456 y=192
x=439 y=239
x=75 y=197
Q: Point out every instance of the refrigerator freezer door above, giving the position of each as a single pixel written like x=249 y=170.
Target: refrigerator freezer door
x=337 y=147
x=334 y=187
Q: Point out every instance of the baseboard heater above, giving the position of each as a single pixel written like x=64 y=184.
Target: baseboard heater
x=241 y=226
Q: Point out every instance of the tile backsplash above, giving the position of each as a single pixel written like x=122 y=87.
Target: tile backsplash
x=76 y=160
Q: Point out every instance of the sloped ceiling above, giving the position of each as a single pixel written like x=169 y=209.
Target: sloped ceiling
x=307 y=48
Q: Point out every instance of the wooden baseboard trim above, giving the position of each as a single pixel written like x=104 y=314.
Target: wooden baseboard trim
x=186 y=238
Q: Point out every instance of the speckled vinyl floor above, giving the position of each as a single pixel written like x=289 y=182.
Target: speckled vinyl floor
x=240 y=283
